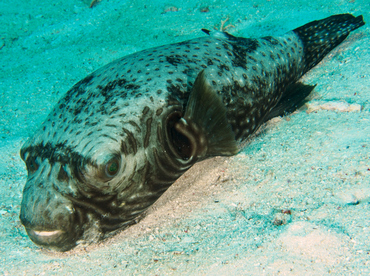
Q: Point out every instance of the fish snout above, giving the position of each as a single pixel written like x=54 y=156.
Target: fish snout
x=49 y=218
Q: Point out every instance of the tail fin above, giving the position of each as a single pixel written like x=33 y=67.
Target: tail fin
x=322 y=36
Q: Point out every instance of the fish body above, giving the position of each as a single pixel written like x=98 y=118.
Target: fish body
x=120 y=137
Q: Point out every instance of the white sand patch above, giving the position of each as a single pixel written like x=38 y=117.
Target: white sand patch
x=339 y=106
x=306 y=240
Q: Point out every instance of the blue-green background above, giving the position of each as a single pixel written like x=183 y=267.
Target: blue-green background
x=223 y=216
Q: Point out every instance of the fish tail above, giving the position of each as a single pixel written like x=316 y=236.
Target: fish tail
x=320 y=37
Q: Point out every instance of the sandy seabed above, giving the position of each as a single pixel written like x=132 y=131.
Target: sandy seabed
x=295 y=201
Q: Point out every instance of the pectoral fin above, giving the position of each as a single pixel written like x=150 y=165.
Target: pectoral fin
x=205 y=122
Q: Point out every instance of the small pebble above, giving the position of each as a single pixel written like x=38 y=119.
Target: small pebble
x=279 y=219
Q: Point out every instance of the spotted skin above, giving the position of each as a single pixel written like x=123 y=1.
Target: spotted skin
x=120 y=137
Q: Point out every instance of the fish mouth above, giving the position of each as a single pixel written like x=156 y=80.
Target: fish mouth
x=57 y=240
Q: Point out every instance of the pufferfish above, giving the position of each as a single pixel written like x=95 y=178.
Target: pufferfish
x=121 y=136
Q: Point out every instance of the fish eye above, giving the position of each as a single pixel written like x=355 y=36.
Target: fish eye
x=112 y=167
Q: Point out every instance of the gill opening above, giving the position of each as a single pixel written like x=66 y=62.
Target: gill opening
x=181 y=143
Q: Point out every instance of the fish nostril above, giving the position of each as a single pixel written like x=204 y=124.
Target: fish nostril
x=56 y=188
x=62 y=175
x=32 y=166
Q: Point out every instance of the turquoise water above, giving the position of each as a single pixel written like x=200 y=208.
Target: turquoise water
x=227 y=216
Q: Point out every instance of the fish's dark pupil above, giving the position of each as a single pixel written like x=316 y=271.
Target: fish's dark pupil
x=112 y=168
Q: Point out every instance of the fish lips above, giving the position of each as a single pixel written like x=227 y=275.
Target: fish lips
x=57 y=240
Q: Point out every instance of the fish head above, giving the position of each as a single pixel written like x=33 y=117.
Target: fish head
x=86 y=172
x=70 y=197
